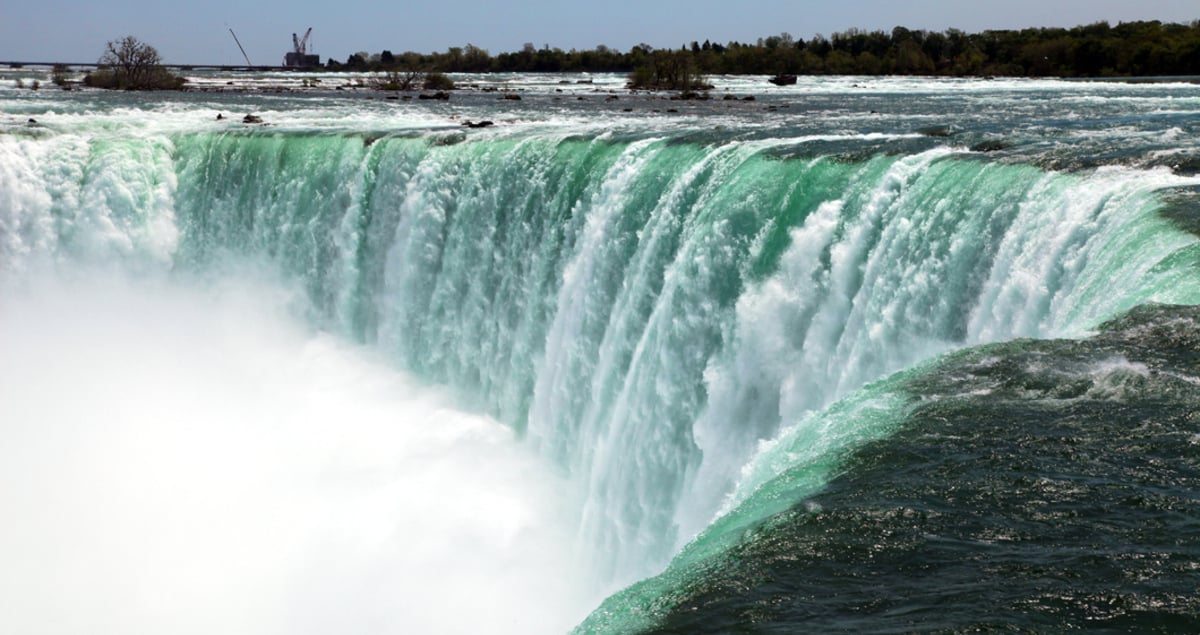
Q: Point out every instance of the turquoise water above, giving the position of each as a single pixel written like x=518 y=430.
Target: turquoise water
x=690 y=322
x=1034 y=485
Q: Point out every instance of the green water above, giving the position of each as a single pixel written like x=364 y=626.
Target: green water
x=620 y=301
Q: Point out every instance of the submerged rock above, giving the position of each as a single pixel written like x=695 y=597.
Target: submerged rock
x=934 y=131
x=990 y=145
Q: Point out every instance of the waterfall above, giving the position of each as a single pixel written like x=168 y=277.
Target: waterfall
x=647 y=312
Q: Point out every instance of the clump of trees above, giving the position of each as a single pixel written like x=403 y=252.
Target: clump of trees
x=669 y=70
x=405 y=80
x=130 y=64
x=1095 y=50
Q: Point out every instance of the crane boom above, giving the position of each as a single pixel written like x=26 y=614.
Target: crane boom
x=302 y=46
x=239 y=43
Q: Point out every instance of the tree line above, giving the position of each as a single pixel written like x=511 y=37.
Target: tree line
x=1130 y=49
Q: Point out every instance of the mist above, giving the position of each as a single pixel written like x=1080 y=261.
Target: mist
x=189 y=457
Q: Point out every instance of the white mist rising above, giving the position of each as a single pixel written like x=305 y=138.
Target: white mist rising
x=181 y=458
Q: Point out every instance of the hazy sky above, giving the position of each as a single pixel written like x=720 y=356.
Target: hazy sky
x=198 y=31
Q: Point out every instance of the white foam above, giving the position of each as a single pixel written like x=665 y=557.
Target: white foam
x=189 y=459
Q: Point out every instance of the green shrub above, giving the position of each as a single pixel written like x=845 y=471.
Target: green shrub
x=396 y=80
x=59 y=75
x=437 y=81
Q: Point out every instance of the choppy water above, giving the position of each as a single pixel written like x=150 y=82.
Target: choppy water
x=705 y=345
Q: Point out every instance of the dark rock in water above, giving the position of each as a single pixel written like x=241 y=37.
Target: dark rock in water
x=990 y=145
x=934 y=131
x=512 y=97
x=220 y=116
x=1180 y=205
x=252 y=119
x=730 y=97
x=440 y=95
x=478 y=124
x=748 y=98
x=32 y=120
x=783 y=80
x=1186 y=166
x=448 y=140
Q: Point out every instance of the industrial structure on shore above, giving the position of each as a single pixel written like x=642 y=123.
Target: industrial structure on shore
x=299 y=57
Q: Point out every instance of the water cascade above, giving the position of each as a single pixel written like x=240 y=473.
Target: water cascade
x=664 y=319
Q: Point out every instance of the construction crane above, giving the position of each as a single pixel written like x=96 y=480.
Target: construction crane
x=302 y=43
x=299 y=57
x=239 y=43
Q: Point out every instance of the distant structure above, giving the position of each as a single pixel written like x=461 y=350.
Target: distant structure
x=298 y=57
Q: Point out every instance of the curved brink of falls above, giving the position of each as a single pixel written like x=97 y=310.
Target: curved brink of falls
x=646 y=311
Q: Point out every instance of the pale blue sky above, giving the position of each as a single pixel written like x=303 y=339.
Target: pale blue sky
x=197 y=31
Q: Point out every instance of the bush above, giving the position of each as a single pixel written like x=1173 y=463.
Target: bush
x=59 y=75
x=437 y=81
x=396 y=80
x=129 y=64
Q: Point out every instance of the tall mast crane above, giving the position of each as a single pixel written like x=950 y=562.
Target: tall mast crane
x=239 y=43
